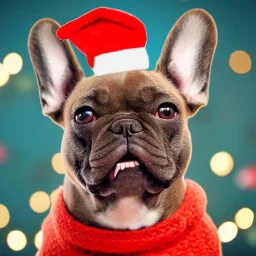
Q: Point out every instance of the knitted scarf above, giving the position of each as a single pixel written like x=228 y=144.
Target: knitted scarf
x=188 y=232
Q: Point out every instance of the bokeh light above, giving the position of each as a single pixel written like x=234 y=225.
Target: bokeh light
x=222 y=163
x=240 y=62
x=4 y=75
x=246 y=177
x=4 y=216
x=244 y=218
x=16 y=240
x=56 y=163
x=251 y=236
x=39 y=202
x=13 y=63
x=38 y=239
x=227 y=231
x=25 y=83
x=2 y=153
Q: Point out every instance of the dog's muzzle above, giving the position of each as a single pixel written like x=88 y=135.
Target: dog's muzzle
x=129 y=163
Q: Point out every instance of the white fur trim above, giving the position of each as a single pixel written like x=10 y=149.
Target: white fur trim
x=125 y=60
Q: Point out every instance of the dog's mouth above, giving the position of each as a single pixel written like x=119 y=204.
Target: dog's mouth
x=126 y=162
x=129 y=176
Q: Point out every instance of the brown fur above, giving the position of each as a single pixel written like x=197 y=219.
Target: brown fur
x=142 y=87
x=135 y=96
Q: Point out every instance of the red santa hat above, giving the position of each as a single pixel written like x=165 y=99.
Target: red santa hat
x=112 y=40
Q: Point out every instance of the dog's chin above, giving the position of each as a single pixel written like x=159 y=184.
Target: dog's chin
x=131 y=181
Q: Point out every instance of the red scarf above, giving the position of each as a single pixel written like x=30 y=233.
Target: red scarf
x=189 y=232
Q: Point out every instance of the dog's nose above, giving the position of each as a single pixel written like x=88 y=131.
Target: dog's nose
x=126 y=127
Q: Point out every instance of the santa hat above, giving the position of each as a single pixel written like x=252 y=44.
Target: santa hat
x=112 y=40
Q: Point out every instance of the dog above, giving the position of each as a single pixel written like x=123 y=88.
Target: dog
x=126 y=144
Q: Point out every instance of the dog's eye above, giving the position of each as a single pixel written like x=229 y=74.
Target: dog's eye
x=85 y=115
x=166 y=111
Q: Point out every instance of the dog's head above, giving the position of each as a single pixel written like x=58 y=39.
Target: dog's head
x=126 y=134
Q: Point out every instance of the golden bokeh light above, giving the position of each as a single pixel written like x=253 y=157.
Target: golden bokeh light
x=240 y=62
x=13 y=63
x=38 y=239
x=39 y=202
x=24 y=82
x=56 y=163
x=54 y=194
x=244 y=218
x=16 y=240
x=4 y=75
x=4 y=216
x=227 y=231
x=251 y=236
x=222 y=163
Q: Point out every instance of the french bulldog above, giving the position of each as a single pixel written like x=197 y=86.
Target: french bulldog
x=126 y=144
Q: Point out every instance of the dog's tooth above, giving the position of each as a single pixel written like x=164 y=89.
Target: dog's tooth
x=117 y=169
x=136 y=163
x=132 y=164
x=122 y=166
x=119 y=166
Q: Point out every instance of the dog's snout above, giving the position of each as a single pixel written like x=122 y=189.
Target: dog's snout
x=126 y=127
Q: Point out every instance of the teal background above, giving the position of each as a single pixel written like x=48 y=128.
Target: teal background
x=228 y=123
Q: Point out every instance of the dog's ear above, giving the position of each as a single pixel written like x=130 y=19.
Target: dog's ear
x=56 y=67
x=187 y=55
